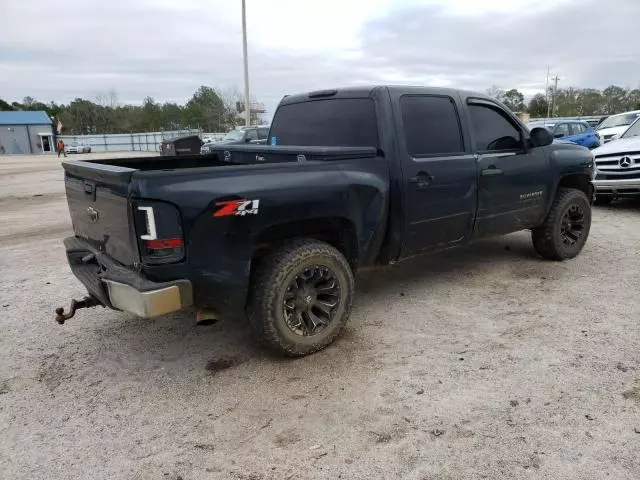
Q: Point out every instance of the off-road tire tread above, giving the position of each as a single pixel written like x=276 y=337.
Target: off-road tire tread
x=269 y=278
x=545 y=239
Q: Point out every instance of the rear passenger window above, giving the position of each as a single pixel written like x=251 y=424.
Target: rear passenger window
x=576 y=128
x=431 y=125
x=492 y=129
x=562 y=130
x=263 y=133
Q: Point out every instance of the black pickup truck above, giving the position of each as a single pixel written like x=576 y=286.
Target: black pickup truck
x=351 y=178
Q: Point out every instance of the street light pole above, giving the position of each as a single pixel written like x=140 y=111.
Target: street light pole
x=553 y=98
x=247 y=105
x=546 y=91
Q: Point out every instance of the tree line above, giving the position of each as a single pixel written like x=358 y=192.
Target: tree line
x=209 y=109
x=212 y=110
x=571 y=101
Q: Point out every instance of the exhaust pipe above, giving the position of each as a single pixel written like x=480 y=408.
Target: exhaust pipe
x=206 y=317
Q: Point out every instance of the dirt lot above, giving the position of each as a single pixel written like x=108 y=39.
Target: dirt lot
x=482 y=363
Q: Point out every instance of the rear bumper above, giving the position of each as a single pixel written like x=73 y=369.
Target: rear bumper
x=120 y=288
x=629 y=186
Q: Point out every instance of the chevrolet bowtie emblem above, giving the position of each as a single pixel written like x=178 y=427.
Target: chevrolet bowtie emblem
x=93 y=214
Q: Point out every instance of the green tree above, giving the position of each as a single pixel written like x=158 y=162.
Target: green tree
x=513 y=100
x=589 y=102
x=538 y=106
x=633 y=99
x=4 y=106
x=208 y=109
x=151 y=117
x=172 y=116
x=614 y=100
x=566 y=103
x=205 y=110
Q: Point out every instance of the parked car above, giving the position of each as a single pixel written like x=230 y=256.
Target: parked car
x=575 y=131
x=616 y=125
x=618 y=166
x=77 y=148
x=254 y=135
x=356 y=177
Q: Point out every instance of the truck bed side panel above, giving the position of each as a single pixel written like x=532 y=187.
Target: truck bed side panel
x=220 y=247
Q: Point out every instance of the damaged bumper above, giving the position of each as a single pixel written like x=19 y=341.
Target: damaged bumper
x=120 y=288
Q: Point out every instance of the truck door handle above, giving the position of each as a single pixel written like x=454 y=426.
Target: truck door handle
x=422 y=180
x=492 y=170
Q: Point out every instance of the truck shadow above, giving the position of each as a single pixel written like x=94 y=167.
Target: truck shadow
x=227 y=344
x=514 y=251
x=626 y=204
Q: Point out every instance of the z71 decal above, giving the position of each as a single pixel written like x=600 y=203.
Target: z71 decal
x=237 y=207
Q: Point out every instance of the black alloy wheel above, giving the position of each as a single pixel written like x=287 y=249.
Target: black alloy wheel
x=311 y=300
x=573 y=225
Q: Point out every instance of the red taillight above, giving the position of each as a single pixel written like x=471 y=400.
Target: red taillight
x=163 y=244
x=159 y=233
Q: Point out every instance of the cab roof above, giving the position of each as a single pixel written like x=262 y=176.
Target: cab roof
x=368 y=91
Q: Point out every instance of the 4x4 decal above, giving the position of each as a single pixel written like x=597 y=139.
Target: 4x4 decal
x=237 y=207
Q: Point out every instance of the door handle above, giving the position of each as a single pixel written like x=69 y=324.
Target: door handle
x=422 y=180
x=492 y=170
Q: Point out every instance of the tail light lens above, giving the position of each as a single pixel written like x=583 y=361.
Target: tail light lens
x=159 y=231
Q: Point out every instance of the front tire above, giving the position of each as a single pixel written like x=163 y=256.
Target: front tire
x=301 y=297
x=565 y=230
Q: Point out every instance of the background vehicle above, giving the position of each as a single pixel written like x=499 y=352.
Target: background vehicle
x=616 y=125
x=574 y=131
x=77 y=148
x=618 y=166
x=253 y=135
x=352 y=177
x=187 y=145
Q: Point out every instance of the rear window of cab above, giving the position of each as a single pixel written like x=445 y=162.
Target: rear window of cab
x=337 y=122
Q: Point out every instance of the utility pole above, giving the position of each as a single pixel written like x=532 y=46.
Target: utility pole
x=247 y=105
x=546 y=90
x=553 y=97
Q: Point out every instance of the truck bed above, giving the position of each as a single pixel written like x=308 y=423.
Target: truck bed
x=235 y=155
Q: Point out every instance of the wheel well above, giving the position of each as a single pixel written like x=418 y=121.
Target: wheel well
x=336 y=231
x=578 y=181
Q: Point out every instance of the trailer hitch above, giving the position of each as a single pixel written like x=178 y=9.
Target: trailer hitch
x=86 y=302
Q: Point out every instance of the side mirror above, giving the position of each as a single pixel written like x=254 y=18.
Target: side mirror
x=540 y=137
x=558 y=135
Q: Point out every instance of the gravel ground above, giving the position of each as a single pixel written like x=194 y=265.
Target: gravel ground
x=482 y=363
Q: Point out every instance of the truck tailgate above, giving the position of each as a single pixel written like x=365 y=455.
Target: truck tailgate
x=99 y=207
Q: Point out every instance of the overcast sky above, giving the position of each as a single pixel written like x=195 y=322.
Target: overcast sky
x=167 y=48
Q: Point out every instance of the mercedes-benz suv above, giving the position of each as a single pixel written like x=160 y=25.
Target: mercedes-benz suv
x=618 y=166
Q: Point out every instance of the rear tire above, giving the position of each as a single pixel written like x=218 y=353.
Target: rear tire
x=565 y=230
x=301 y=296
x=603 y=200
